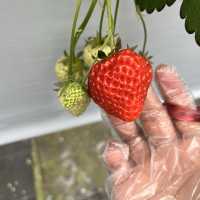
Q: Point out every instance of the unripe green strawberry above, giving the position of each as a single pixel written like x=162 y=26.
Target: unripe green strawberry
x=62 y=69
x=90 y=53
x=74 y=98
x=92 y=47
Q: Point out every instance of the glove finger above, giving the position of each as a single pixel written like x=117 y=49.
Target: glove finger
x=116 y=155
x=156 y=121
x=132 y=135
x=139 y=151
x=172 y=87
x=126 y=130
x=174 y=91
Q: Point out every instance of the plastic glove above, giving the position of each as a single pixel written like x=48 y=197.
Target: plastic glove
x=160 y=159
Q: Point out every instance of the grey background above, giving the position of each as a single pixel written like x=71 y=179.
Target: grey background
x=34 y=34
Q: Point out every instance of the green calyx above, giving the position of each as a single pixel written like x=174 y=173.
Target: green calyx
x=92 y=49
x=73 y=98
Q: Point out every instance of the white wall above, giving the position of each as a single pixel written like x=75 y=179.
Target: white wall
x=34 y=34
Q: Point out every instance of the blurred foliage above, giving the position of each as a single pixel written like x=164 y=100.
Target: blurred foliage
x=190 y=11
x=68 y=165
x=151 y=5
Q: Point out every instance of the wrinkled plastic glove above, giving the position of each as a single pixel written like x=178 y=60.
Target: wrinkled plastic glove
x=159 y=159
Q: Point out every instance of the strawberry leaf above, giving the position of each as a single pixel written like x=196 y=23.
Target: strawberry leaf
x=190 y=12
x=151 y=5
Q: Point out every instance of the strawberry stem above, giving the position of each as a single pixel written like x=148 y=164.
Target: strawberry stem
x=76 y=33
x=73 y=43
x=116 y=14
x=101 y=22
x=110 y=22
x=144 y=28
x=102 y=17
x=86 y=20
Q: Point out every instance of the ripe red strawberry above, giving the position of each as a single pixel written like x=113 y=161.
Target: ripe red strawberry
x=120 y=82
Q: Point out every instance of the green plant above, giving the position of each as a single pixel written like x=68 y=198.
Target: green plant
x=73 y=68
x=190 y=11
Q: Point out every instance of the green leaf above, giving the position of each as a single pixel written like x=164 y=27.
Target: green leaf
x=190 y=11
x=151 y=5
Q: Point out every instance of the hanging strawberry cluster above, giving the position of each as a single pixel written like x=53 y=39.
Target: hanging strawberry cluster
x=70 y=70
x=116 y=79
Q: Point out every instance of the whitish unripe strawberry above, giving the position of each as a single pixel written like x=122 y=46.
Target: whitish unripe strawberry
x=73 y=98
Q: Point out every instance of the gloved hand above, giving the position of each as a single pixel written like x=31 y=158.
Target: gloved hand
x=160 y=158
